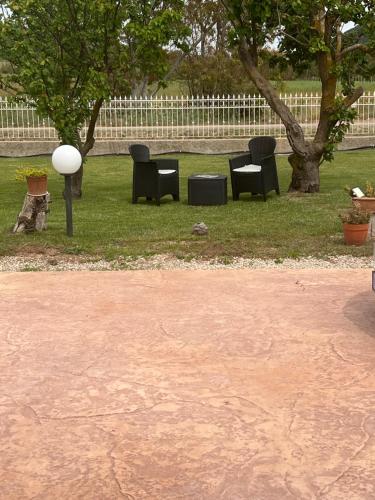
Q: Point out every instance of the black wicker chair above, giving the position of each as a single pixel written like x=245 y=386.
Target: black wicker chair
x=255 y=172
x=153 y=178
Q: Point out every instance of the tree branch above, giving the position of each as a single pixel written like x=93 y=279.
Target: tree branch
x=338 y=42
x=90 y=140
x=282 y=31
x=357 y=46
x=352 y=98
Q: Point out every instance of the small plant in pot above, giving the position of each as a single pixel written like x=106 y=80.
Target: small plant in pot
x=364 y=199
x=355 y=225
x=36 y=179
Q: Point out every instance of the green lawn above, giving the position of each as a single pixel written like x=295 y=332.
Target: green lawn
x=107 y=224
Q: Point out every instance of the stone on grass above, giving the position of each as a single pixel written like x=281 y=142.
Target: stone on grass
x=200 y=228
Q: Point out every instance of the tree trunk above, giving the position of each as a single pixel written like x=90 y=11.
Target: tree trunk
x=85 y=148
x=305 y=175
x=77 y=183
x=203 y=40
x=294 y=130
x=139 y=87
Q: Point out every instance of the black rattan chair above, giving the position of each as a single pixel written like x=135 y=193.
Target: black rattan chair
x=153 y=178
x=255 y=172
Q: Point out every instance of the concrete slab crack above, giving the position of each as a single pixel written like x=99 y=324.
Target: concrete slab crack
x=26 y=410
x=103 y=415
x=112 y=469
x=339 y=355
x=165 y=332
x=324 y=491
x=241 y=398
x=7 y=339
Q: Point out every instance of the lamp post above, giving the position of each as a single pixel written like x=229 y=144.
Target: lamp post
x=67 y=160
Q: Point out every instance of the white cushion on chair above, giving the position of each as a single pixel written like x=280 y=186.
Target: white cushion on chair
x=166 y=171
x=248 y=168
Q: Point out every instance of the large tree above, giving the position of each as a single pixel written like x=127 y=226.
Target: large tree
x=205 y=36
x=67 y=56
x=60 y=56
x=307 y=32
x=208 y=26
x=154 y=28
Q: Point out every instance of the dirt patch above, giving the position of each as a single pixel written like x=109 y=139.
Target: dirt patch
x=35 y=249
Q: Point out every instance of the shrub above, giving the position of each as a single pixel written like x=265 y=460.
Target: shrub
x=355 y=216
x=23 y=173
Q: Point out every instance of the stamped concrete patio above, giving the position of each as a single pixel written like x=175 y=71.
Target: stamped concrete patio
x=187 y=385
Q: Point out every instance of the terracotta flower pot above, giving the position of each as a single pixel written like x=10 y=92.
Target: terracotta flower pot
x=37 y=186
x=365 y=204
x=355 y=234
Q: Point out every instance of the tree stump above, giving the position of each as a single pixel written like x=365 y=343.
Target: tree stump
x=33 y=216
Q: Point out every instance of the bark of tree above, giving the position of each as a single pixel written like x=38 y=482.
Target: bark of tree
x=305 y=172
x=203 y=40
x=77 y=179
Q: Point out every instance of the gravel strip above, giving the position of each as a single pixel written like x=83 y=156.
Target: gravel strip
x=63 y=263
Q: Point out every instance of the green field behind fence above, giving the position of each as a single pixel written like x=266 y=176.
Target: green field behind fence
x=286 y=86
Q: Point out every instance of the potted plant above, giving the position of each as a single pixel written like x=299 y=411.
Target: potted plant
x=366 y=200
x=36 y=179
x=355 y=225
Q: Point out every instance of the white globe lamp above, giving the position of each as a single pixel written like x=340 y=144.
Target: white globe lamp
x=67 y=160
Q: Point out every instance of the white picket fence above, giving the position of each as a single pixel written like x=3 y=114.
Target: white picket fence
x=183 y=117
